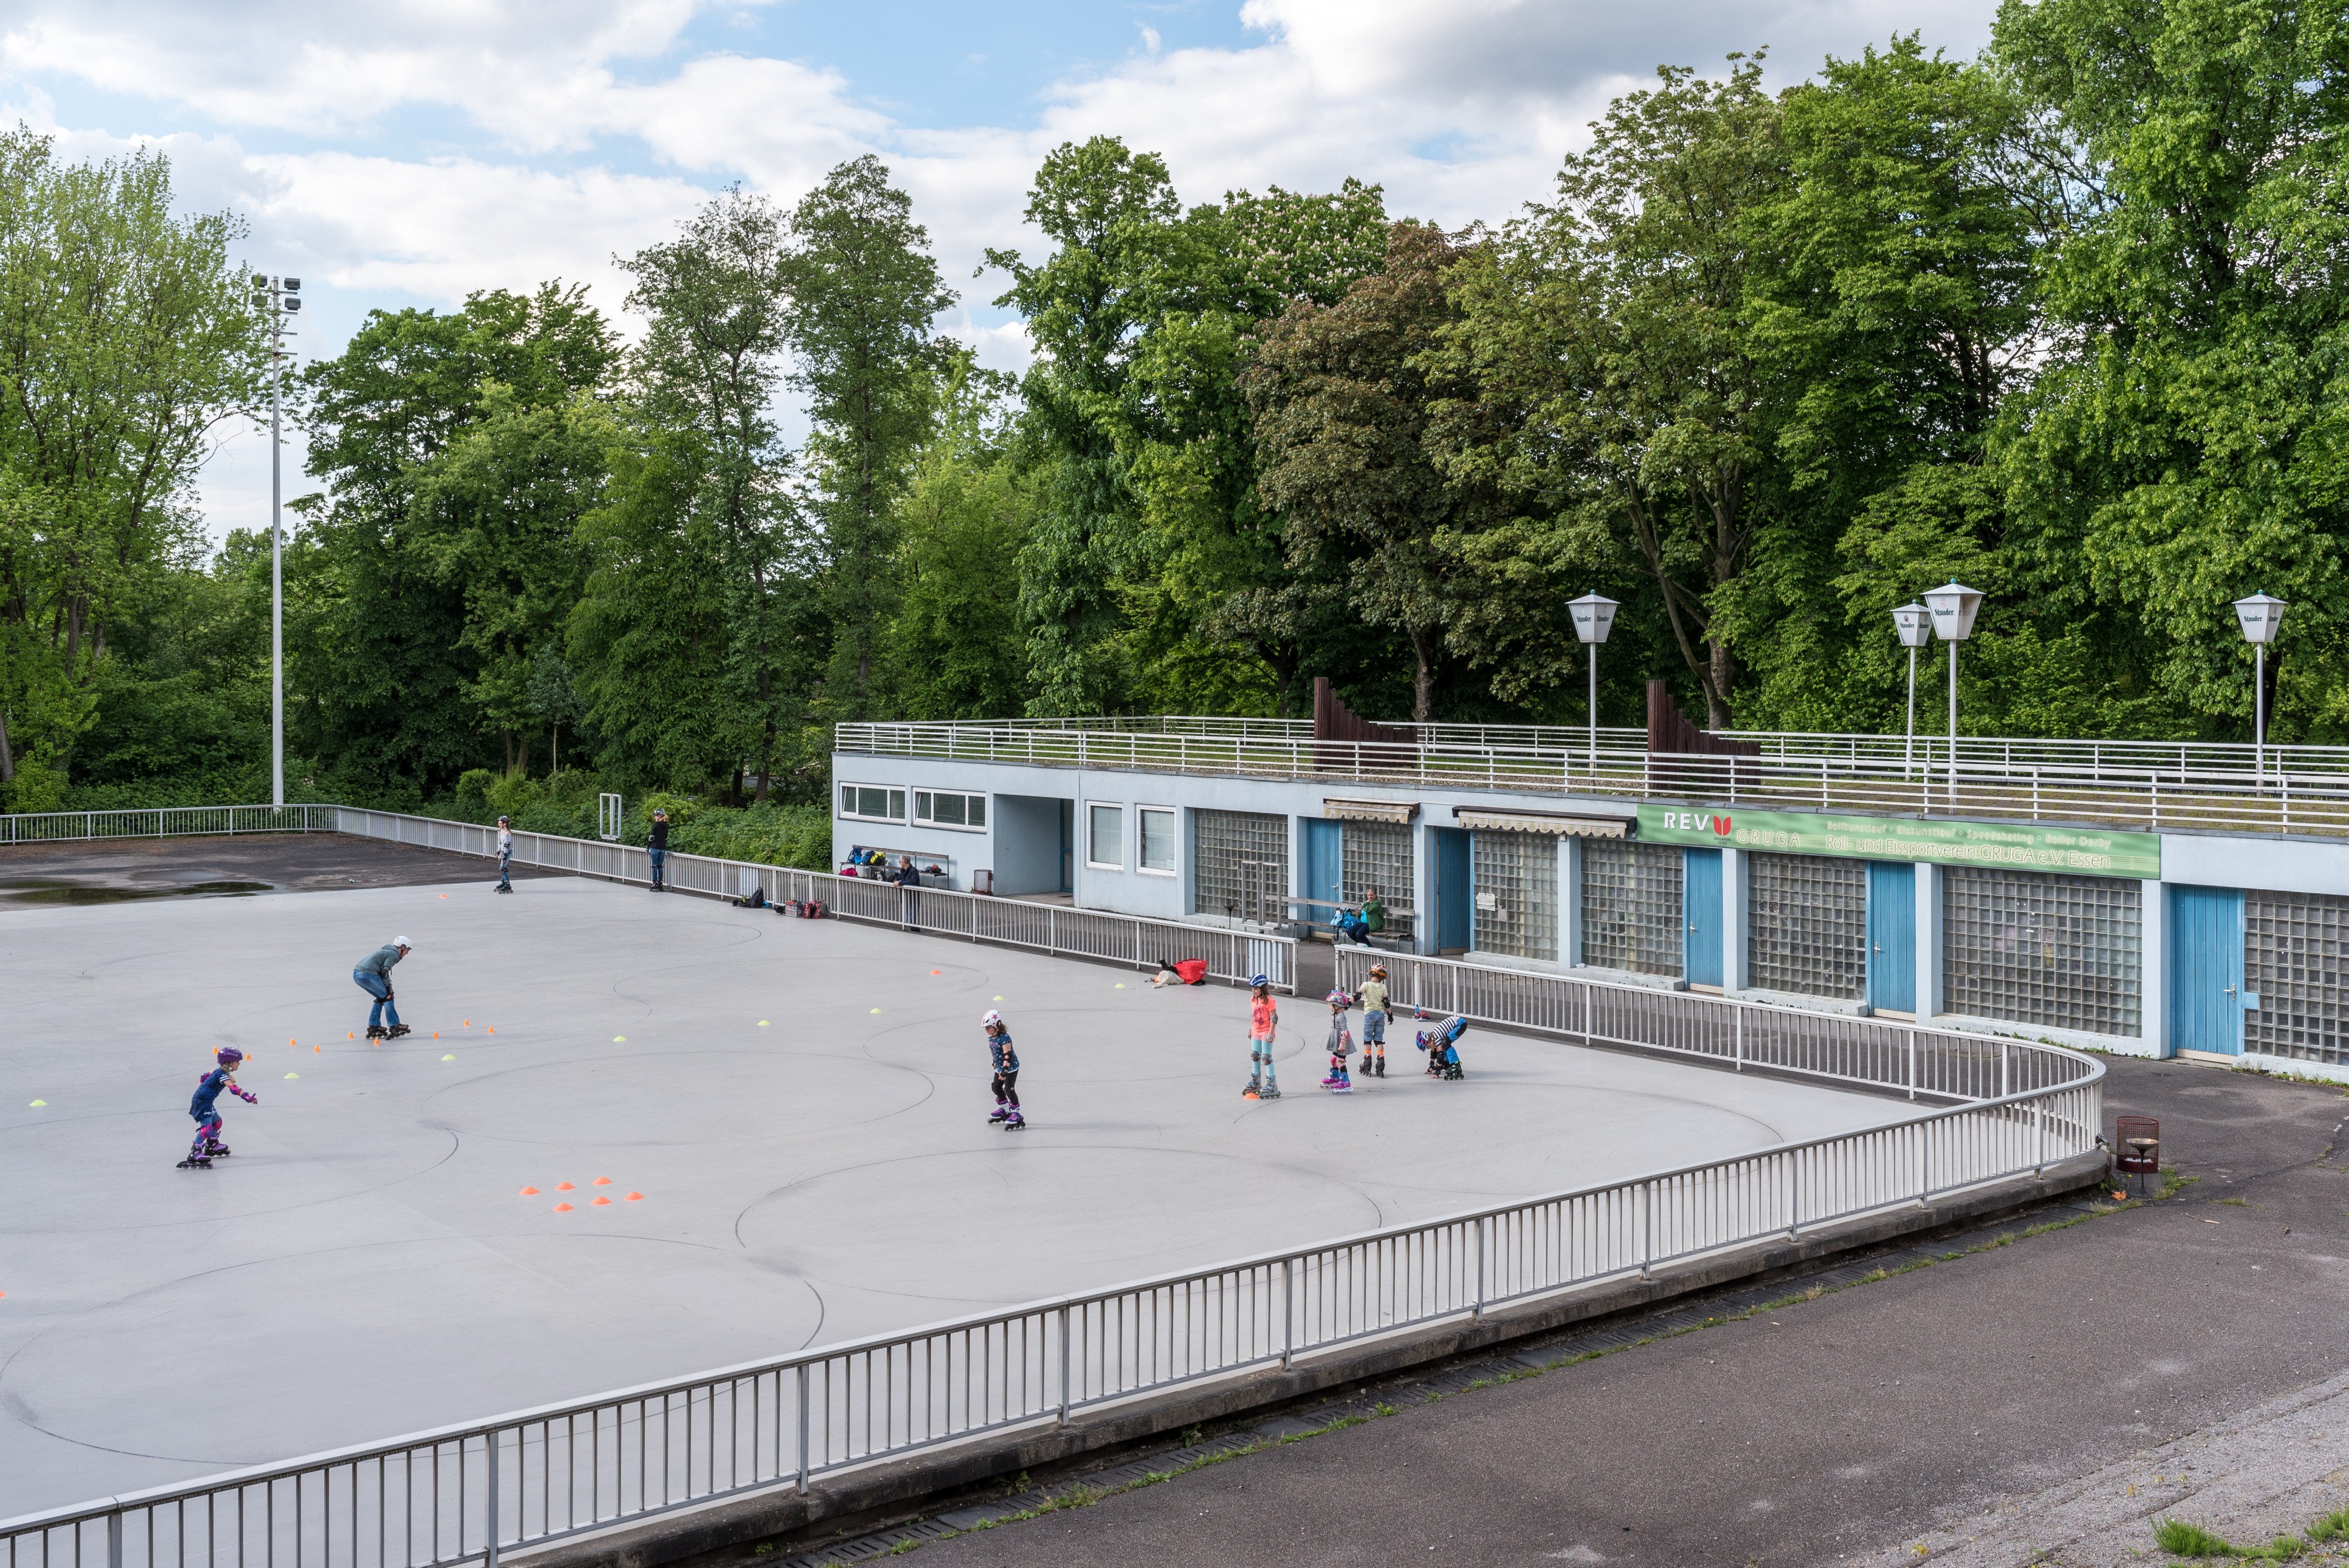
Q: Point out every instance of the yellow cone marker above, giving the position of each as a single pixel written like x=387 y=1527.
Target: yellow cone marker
x=447 y=1058
x=293 y=1074
x=998 y=998
x=1118 y=986
x=763 y=1024
x=876 y=1010
x=619 y=1040
x=38 y=1104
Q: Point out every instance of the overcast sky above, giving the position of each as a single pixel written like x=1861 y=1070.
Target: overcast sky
x=404 y=151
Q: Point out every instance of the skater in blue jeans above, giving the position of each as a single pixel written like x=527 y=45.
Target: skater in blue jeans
x=656 y=846
x=374 y=977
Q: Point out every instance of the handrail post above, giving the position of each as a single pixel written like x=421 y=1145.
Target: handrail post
x=1064 y=1365
x=1477 y=1313
x=1647 y=1228
x=2040 y=1167
x=1912 y=1064
x=1739 y=1059
x=489 y=1552
x=803 y=1429
x=113 y=1540
x=1288 y=1310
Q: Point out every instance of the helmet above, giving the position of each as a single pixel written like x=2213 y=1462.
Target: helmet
x=1379 y=970
x=228 y=1056
x=1258 y=980
x=989 y=1016
x=1338 y=999
x=401 y=943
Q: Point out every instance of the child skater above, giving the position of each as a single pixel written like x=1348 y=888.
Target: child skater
x=206 y=1112
x=1373 y=997
x=1341 y=1046
x=1007 y=1073
x=1263 y=1021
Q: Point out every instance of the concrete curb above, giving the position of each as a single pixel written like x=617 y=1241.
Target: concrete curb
x=895 y=1488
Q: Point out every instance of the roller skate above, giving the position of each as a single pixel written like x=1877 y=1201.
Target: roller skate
x=1330 y=1082
x=1001 y=1113
x=396 y=1031
x=374 y=1032
x=195 y=1162
x=1015 y=1122
x=506 y=886
x=1381 y=1071
x=215 y=1151
x=1255 y=1090
x=1341 y=1087
x=1269 y=1092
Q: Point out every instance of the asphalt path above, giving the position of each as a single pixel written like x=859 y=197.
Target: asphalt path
x=1831 y=1429
x=75 y=872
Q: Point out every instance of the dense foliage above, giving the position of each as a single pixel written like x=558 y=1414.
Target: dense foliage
x=2069 y=323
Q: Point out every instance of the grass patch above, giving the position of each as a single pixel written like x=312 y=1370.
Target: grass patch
x=2179 y=1539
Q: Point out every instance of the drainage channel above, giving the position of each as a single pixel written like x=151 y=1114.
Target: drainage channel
x=1081 y=1483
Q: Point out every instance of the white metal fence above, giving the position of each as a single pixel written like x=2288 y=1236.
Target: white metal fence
x=470 y=1492
x=1232 y=955
x=2146 y=787
x=164 y=821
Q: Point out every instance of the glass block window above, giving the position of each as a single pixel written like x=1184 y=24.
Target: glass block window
x=1220 y=842
x=1807 y=925
x=1515 y=879
x=1375 y=854
x=1631 y=906
x=2292 y=946
x=2032 y=948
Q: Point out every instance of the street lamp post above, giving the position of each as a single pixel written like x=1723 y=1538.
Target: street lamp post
x=1953 y=606
x=1914 y=623
x=279 y=297
x=2260 y=617
x=1594 y=617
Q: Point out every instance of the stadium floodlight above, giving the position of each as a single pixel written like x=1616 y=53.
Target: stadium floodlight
x=1915 y=624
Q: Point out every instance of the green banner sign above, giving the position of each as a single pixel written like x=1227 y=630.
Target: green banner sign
x=2023 y=846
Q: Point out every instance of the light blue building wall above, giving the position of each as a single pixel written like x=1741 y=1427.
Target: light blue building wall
x=2179 y=960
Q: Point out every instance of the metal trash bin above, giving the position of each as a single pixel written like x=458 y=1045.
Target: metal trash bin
x=2136 y=1146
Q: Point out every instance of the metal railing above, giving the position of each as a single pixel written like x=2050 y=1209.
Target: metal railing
x=1231 y=955
x=472 y=1491
x=1935 y=1063
x=2155 y=788
x=163 y=822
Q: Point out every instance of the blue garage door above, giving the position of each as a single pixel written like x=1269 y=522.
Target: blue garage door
x=1700 y=904
x=2206 y=970
x=1455 y=913
x=1325 y=869
x=1892 y=936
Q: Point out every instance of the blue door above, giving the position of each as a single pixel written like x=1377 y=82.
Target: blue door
x=1892 y=936
x=1701 y=905
x=2206 y=970
x=1325 y=863
x=1454 y=906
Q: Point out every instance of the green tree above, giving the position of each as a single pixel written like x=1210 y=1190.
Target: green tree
x=126 y=337
x=2183 y=445
x=864 y=293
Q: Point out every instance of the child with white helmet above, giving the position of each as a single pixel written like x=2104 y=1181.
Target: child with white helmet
x=1007 y=1072
x=1341 y=1044
x=1373 y=997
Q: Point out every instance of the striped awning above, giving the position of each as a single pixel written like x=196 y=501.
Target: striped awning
x=1371 y=810
x=1543 y=822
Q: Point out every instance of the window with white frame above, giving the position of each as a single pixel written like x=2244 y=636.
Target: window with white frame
x=872 y=803
x=1158 y=840
x=950 y=808
x=1105 y=838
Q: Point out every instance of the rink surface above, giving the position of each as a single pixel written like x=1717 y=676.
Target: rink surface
x=365 y=1265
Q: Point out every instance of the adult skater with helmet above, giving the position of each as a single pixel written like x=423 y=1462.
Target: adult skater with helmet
x=1006 y=1061
x=205 y=1108
x=373 y=976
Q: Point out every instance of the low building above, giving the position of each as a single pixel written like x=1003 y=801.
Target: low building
x=2142 y=898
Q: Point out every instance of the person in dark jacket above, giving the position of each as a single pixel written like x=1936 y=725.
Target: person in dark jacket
x=656 y=846
x=904 y=876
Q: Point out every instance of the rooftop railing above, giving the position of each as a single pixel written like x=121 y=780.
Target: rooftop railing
x=2146 y=786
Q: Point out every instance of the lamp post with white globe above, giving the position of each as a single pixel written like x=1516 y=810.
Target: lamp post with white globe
x=1953 y=606
x=1915 y=624
x=1594 y=617
x=2260 y=617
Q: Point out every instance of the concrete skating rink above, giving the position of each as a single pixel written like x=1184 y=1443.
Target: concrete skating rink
x=802 y=1104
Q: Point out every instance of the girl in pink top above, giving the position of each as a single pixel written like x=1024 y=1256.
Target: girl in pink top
x=1264 y=1020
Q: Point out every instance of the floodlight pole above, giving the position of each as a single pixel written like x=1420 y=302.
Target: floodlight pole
x=1908 y=752
x=276 y=558
x=1593 y=712
x=1953 y=725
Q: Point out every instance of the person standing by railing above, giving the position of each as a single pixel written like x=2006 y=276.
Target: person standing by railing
x=373 y=976
x=656 y=846
x=505 y=854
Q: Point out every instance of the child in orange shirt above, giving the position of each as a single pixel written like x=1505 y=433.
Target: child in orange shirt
x=1264 y=1021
